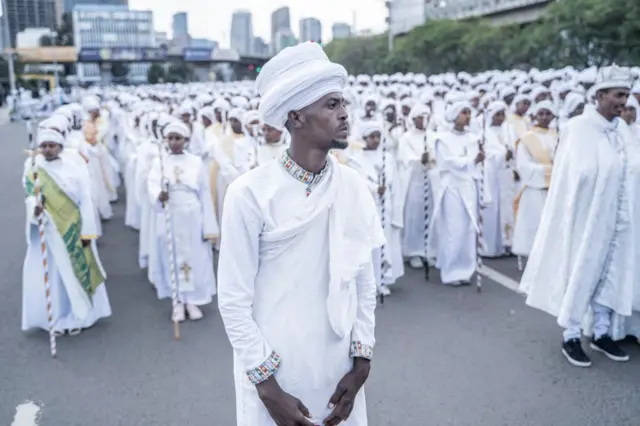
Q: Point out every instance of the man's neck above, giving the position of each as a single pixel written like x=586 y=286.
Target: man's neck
x=312 y=160
x=608 y=117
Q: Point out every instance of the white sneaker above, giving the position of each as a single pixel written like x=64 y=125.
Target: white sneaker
x=384 y=290
x=194 y=312
x=416 y=262
x=178 y=313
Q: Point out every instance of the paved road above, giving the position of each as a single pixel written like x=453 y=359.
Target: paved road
x=445 y=356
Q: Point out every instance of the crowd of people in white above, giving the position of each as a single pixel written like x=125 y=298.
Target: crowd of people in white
x=542 y=165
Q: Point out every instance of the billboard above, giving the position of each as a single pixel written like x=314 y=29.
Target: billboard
x=122 y=54
x=197 y=54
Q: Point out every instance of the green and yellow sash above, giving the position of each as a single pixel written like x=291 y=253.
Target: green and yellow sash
x=66 y=217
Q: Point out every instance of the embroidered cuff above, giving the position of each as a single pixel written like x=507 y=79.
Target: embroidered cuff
x=360 y=350
x=265 y=370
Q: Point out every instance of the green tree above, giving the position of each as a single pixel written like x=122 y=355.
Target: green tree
x=119 y=71
x=179 y=72
x=156 y=74
x=65 y=31
x=46 y=40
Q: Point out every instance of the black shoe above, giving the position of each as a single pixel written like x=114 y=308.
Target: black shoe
x=572 y=350
x=610 y=348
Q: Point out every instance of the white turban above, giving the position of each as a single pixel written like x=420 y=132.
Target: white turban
x=221 y=104
x=91 y=103
x=495 y=107
x=50 y=135
x=295 y=78
x=250 y=116
x=571 y=102
x=208 y=113
x=56 y=121
x=237 y=113
x=369 y=127
x=454 y=110
x=419 y=109
x=178 y=127
x=546 y=104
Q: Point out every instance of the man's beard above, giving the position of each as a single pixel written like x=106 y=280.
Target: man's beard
x=336 y=144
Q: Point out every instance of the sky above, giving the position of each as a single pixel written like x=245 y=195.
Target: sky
x=212 y=18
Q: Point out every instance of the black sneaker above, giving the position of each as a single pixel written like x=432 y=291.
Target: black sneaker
x=610 y=348
x=572 y=350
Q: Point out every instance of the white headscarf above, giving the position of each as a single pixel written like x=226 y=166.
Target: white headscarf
x=295 y=78
x=454 y=110
x=50 y=135
x=178 y=127
x=495 y=107
x=369 y=127
x=546 y=104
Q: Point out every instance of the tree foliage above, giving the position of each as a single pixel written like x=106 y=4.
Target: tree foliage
x=571 y=32
x=156 y=74
x=179 y=72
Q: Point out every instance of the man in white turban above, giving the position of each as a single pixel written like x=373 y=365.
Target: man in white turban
x=583 y=257
x=303 y=229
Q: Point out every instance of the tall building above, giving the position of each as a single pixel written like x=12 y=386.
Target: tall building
x=23 y=14
x=261 y=48
x=102 y=26
x=310 y=30
x=69 y=5
x=340 y=30
x=284 y=38
x=203 y=43
x=161 y=38
x=180 y=25
x=242 y=32
x=280 y=19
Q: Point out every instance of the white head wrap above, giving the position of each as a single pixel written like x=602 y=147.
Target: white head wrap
x=419 y=109
x=495 y=107
x=546 y=104
x=56 y=121
x=571 y=102
x=237 y=113
x=250 y=116
x=613 y=77
x=454 y=110
x=369 y=127
x=295 y=78
x=209 y=113
x=50 y=135
x=178 y=127
x=91 y=103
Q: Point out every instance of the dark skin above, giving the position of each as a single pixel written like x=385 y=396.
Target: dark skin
x=271 y=134
x=522 y=107
x=369 y=109
x=236 y=126
x=629 y=115
x=176 y=144
x=315 y=130
x=51 y=152
x=372 y=143
x=462 y=121
x=544 y=117
x=206 y=122
x=611 y=102
x=497 y=120
x=419 y=122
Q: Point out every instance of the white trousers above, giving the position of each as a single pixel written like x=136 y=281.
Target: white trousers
x=601 y=323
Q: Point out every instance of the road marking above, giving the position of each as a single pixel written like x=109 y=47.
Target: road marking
x=500 y=278
x=26 y=415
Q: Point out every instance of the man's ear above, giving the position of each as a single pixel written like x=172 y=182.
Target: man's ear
x=295 y=119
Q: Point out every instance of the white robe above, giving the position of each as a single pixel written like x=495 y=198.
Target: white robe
x=411 y=174
x=193 y=225
x=533 y=181
x=147 y=152
x=369 y=165
x=454 y=226
x=72 y=307
x=584 y=250
x=268 y=281
x=497 y=217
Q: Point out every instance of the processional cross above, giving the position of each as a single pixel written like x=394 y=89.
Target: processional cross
x=177 y=171
x=186 y=269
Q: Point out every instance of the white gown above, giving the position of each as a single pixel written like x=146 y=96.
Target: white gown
x=72 y=307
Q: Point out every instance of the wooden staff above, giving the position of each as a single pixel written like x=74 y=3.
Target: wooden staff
x=383 y=182
x=427 y=202
x=170 y=248
x=43 y=242
x=480 y=239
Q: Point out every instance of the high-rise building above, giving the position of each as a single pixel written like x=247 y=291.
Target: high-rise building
x=284 y=38
x=310 y=30
x=203 y=43
x=280 y=19
x=261 y=48
x=340 y=30
x=180 y=25
x=242 y=32
x=69 y=5
x=102 y=26
x=23 y=14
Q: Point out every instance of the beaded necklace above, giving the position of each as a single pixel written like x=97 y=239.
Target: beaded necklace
x=301 y=175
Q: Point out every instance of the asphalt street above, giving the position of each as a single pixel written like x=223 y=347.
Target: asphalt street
x=444 y=356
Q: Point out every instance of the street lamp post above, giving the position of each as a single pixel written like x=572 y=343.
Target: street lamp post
x=7 y=37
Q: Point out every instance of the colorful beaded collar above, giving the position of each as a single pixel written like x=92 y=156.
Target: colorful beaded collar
x=301 y=175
